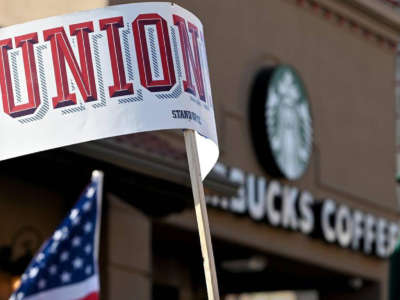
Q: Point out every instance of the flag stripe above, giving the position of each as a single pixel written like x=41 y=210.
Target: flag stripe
x=73 y=291
x=92 y=296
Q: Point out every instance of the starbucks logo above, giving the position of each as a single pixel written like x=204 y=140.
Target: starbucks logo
x=281 y=122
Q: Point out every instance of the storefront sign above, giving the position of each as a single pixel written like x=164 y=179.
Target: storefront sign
x=281 y=122
x=106 y=72
x=284 y=206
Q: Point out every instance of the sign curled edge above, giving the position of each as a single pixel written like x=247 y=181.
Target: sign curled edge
x=106 y=72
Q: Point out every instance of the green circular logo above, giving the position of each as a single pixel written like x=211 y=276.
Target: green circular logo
x=287 y=121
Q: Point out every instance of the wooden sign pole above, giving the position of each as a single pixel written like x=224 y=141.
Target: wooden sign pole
x=201 y=215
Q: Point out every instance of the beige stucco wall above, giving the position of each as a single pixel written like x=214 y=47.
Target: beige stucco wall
x=19 y=11
x=126 y=252
x=350 y=81
x=349 y=78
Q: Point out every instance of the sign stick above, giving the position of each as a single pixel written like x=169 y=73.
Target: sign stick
x=98 y=176
x=201 y=215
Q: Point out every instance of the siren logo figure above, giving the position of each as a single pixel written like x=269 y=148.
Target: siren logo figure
x=288 y=122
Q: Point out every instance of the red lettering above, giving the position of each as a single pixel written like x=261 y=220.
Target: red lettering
x=142 y=53
x=61 y=52
x=26 y=42
x=188 y=59
x=120 y=86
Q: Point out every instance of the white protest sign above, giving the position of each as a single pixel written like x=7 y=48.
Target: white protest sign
x=105 y=72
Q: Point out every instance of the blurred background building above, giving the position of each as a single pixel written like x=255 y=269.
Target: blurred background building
x=346 y=54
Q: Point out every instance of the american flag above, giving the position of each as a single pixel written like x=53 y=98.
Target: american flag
x=66 y=268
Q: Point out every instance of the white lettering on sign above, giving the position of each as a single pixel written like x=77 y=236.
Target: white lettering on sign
x=273 y=192
x=306 y=212
x=328 y=210
x=290 y=208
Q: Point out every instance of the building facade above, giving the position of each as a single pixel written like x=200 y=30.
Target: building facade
x=323 y=232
